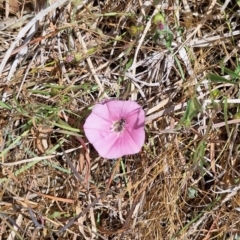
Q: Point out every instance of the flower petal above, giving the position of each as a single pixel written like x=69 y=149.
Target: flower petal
x=96 y=122
x=109 y=146
x=136 y=119
x=102 y=111
x=133 y=140
x=97 y=125
x=94 y=135
x=116 y=109
x=130 y=108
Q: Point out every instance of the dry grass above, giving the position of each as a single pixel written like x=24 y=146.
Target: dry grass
x=184 y=184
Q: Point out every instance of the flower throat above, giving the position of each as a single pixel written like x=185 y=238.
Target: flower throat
x=118 y=126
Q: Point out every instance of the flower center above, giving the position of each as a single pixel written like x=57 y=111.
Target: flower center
x=118 y=126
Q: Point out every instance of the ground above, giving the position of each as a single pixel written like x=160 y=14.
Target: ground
x=178 y=60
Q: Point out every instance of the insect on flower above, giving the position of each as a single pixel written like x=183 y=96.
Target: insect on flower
x=118 y=126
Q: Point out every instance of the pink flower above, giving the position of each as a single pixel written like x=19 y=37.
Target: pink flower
x=116 y=128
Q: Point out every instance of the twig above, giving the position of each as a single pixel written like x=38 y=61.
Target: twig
x=89 y=61
x=25 y=29
x=133 y=67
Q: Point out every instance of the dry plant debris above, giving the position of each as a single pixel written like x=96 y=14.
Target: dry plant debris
x=177 y=59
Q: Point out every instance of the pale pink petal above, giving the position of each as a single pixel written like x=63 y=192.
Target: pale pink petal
x=115 y=109
x=130 y=108
x=101 y=110
x=96 y=122
x=108 y=147
x=96 y=126
x=134 y=135
x=136 y=119
x=129 y=146
x=113 y=146
x=94 y=135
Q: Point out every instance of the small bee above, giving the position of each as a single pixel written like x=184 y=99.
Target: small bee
x=119 y=125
